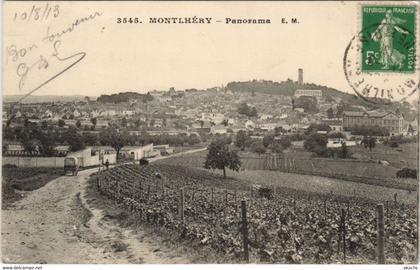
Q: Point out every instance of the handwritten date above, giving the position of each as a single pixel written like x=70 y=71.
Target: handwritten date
x=38 y=13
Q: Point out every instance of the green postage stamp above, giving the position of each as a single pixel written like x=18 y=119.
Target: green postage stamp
x=388 y=43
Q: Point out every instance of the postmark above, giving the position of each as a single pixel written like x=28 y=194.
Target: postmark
x=381 y=62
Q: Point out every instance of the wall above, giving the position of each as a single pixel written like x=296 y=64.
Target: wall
x=52 y=162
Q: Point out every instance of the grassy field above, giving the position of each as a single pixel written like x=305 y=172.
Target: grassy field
x=403 y=156
x=250 y=161
x=323 y=185
x=302 y=163
x=24 y=179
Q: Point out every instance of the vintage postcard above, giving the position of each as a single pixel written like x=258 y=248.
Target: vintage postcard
x=221 y=132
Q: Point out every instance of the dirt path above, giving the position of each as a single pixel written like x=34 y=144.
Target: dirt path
x=56 y=224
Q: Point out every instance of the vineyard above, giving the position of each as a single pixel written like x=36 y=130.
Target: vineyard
x=278 y=226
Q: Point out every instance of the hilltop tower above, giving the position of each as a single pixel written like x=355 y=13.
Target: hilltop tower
x=300 y=76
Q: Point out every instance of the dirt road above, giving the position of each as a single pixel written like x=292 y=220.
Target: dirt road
x=55 y=224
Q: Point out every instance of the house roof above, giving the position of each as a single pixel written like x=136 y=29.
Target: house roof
x=378 y=114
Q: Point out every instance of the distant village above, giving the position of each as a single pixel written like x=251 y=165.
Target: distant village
x=154 y=125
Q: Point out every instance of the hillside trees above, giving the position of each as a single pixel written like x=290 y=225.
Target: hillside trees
x=247 y=110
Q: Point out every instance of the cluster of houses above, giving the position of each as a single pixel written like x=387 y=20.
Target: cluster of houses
x=213 y=111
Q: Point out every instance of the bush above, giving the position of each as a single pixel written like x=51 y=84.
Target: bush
x=336 y=135
x=393 y=144
x=9 y=166
x=322 y=151
x=407 y=173
x=315 y=141
x=265 y=192
x=276 y=148
x=258 y=147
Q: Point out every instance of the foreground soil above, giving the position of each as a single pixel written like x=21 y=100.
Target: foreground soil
x=58 y=223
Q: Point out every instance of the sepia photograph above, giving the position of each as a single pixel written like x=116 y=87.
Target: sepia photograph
x=199 y=133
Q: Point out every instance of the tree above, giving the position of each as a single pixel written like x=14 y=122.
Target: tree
x=61 y=123
x=258 y=147
x=94 y=121
x=276 y=148
x=113 y=138
x=28 y=144
x=137 y=123
x=316 y=143
x=267 y=140
x=90 y=138
x=340 y=110
x=46 y=144
x=78 y=124
x=285 y=142
x=193 y=139
x=44 y=124
x=369 y=142
x=309 y=104
x=124 y=122
x=253 y=112
x=247 y=110
x=330 y=113
x=344 y=151
x=278 y=130
x=243 y=140
x=87 y=99
x=221 y=157
x=76 y=143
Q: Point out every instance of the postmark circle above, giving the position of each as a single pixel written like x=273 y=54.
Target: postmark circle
x=379 y=86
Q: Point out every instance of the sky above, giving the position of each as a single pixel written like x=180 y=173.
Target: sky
x=143 y=57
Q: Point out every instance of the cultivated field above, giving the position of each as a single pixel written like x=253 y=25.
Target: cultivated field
x=365 y=170
x=293 y=227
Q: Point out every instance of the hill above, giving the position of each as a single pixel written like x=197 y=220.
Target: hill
x=124 y=97
x=288 y=88
x=42 y=99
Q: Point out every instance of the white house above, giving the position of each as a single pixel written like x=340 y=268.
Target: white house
x=266 y=116
x=249 y=124
x=268 y=126
x=128 y=113
x=216 y=118
x=136 y=152
x=76 y=113
x=109 y=113
x=48 y=114
x=218 y=129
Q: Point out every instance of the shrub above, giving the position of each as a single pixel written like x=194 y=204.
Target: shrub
x=407 y=173
x=265 y=192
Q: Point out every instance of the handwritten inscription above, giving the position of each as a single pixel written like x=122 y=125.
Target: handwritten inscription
x=52 y=36
x=42 y=61
x=38 y=13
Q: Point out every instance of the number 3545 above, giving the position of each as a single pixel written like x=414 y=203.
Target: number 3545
x=371 y=57
x=128 y=20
